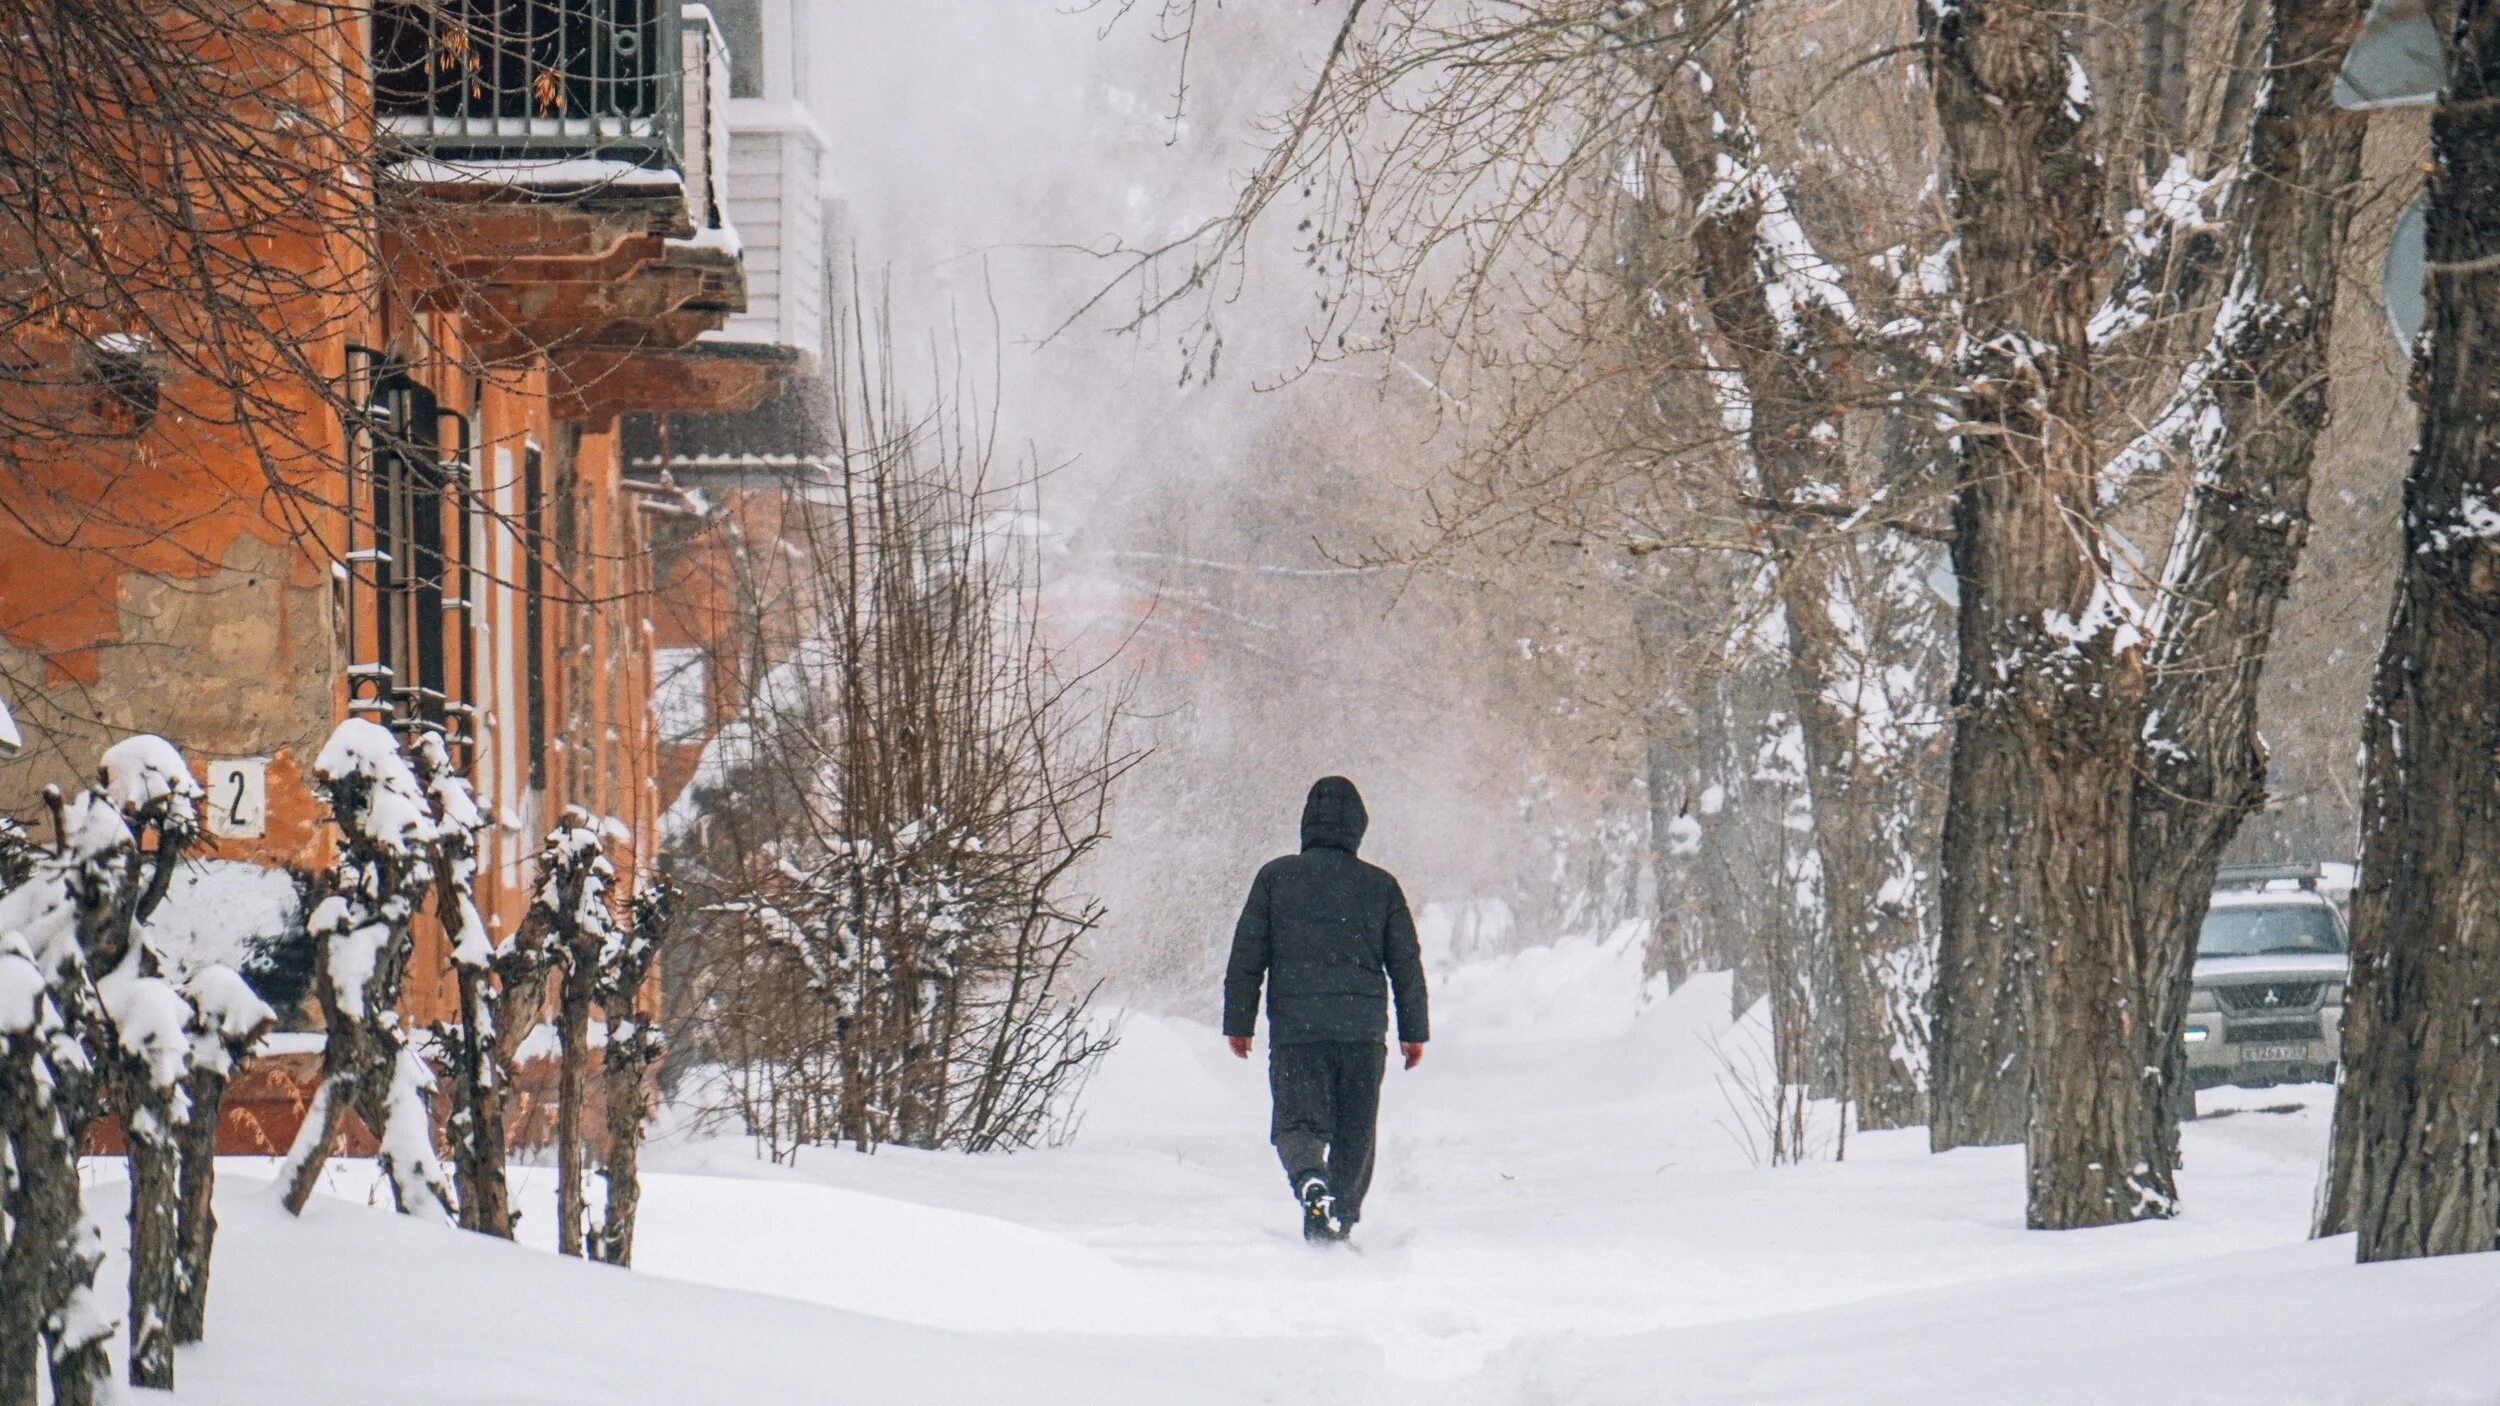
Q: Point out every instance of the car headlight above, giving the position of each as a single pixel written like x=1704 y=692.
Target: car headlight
x=2201 y=998
x=2197 y=1034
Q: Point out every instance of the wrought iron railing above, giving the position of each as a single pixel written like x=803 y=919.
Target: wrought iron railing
x=410 y=567
x=483 y=80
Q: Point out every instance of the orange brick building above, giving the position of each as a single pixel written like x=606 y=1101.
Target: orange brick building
x=445 y=536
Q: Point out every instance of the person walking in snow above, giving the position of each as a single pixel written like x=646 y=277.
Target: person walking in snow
x=1331 y=939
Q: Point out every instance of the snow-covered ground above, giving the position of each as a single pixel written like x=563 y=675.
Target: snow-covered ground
x=1564 y=1214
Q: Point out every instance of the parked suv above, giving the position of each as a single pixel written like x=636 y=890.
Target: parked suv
x=2271 y=963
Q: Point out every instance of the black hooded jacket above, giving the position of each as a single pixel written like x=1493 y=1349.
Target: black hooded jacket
x=1329 y=935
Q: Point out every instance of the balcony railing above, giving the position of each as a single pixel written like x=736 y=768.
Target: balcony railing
x=490 y=80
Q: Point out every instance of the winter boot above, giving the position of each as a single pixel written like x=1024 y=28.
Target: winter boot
x=1319 y=1208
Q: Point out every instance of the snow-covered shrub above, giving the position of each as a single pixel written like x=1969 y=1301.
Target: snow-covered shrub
x=879 y=936
x=574 y=905
x=94 y=1016
x=389 y=837
x=477 y=1052
x=633 y=1049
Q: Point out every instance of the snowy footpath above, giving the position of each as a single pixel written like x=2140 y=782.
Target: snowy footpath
x=1566 y=1212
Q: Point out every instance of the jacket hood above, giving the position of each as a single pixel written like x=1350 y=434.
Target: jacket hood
x=1333 y=815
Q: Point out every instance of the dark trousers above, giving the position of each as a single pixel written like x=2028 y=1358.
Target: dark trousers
x=1327 y=1108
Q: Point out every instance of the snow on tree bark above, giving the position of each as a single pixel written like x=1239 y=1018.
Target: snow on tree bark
x=230 y=1020
x=476 y=1051
x=388 y=834
x=147 y=1052
x=573 y=906
x=1783 y=321
x=47 y=1258
x=59 y=1052
x=2423 y=1063
x=633 y=1050
x=2052 y=680
x=2259 y=398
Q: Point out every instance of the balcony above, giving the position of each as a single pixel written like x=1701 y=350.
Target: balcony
x=559 y=164
x=506 y=80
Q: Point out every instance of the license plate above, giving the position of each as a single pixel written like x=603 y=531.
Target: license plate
x=2274 y=1054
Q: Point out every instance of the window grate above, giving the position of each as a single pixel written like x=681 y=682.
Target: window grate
x=488 y=79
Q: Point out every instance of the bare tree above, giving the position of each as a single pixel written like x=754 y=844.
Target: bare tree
x=231 y=1020
x=51 y=1321
x=916 y=784
x=502 y=987
x=93 y=1024
x=152 y=1026
x=633 y=1049
x=2256 y=395
x=2106 y=754
x=575 y=907
x=1586 y=207
x=2103 y=749
x=385 y=869
x=2414 y=1169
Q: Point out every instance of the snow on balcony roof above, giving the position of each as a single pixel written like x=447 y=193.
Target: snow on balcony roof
x=568 y=173
x=725 y=460
x=725 y=239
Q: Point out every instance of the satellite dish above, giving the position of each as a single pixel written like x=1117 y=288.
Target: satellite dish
x=2399 y=60
x=2400 y=281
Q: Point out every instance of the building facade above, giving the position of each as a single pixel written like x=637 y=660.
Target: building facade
x=437 y=528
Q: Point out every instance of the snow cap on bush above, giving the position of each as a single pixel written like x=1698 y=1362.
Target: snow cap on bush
x=141 y=770
x=391 y=812
x=21 y=987
x=231 y=1012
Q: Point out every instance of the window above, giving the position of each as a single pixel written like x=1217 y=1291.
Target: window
x=534 y=608
x=405 y=677
x=742 y=29
x=681 y=704
x=2287 y=929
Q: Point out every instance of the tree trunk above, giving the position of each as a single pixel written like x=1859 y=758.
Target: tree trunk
x=635 y=1046
x=2060 y=667
x=51 y=1258
x=301 y=1172
x=1979 y=1091
x=43 y=1205
x=500 y=1005
x=1670 y=795
x=2424 y=1087
x=581 y=973
x=1783 y=348
x=1669 y=952
x=365 y=1068
x=371 y=896
x=624 y=1079
x=195 y=1216
x=148 y=1128
x=1793 y=916
x=51 y=1323
x=2262 y=384
x=475 y=1131
x=1890 y=967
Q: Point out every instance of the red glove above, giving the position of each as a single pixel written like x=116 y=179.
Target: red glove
x=1240 y=1044
x=1413 y=1051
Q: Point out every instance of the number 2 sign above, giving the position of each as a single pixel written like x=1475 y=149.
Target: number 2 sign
x=238 y=798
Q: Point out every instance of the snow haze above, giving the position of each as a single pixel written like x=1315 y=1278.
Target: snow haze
x=987 y=156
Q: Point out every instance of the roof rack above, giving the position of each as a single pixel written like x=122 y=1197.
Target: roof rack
x=2257 y=876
